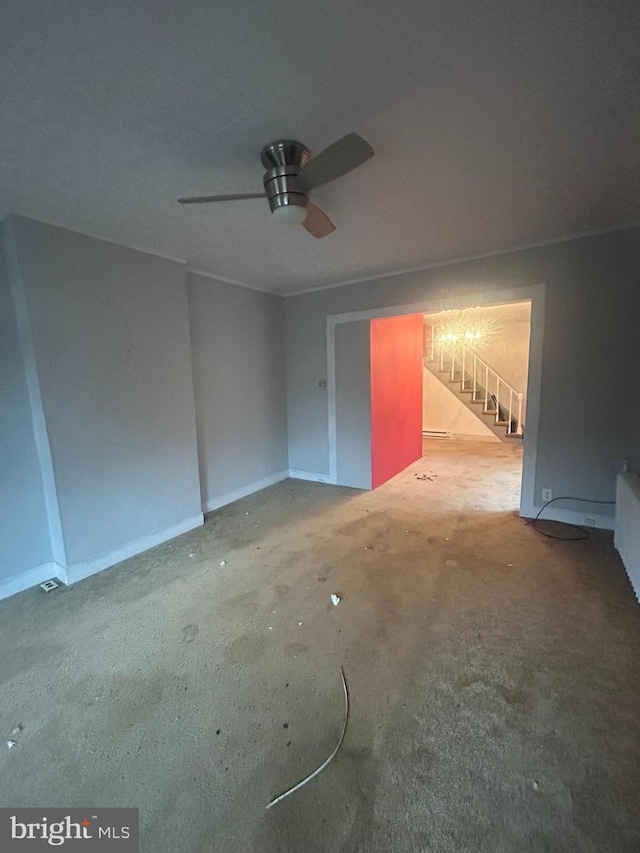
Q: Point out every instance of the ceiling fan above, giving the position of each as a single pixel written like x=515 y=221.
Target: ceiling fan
x=292 y=173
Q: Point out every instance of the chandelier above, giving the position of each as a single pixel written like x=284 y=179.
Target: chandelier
x=464 y=331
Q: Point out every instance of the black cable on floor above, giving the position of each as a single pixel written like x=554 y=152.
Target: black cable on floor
x=583 y=531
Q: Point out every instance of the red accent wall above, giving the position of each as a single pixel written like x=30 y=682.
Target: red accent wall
x=396 y=395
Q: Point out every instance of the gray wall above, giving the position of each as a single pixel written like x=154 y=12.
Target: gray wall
x=237 y=338
x=111 y=341
x=590 y=408
x=24 y=529
x=353 y=404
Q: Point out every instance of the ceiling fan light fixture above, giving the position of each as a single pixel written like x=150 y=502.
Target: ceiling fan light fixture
x=290 y=214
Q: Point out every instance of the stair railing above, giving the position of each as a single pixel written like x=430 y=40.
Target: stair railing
x=485 y=382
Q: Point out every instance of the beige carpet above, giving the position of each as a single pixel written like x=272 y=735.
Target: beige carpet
x=493 y=675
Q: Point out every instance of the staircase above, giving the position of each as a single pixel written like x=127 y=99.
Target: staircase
x=499 y=406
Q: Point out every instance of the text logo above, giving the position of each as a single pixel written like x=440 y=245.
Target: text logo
x=75 y=830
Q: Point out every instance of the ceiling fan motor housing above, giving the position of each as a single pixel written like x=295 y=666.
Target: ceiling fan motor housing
x=283 y=160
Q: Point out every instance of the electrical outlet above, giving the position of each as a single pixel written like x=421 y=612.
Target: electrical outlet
x=590 y=522
x=547 y=495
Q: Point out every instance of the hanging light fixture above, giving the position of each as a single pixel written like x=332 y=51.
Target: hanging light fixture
x=463 y=330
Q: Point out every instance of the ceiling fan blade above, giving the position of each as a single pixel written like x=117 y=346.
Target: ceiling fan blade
x=335 y=161
x=317 y=223
x=205 y=199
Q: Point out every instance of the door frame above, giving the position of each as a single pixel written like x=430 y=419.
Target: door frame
x=535 y=293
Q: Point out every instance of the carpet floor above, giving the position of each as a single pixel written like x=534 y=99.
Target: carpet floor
x=493 y=676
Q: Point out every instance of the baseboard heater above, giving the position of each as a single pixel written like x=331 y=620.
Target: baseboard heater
x=435 y=433
x=627 y=530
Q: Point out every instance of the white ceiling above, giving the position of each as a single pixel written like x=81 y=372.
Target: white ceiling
x=496 y=124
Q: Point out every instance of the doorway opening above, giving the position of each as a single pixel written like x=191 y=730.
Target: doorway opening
x=474 y=396
x=496 y=366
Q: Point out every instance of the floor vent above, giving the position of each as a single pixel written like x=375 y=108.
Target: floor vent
x=47 y=586
x=435 y=433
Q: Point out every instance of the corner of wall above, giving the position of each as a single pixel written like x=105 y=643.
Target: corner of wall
x=17 y=286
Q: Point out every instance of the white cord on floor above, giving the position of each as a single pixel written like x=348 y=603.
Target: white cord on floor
x=331 y=757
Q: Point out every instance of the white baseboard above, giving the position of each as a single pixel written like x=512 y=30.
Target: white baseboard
x=312 y=476
x=463 y=436
x=460 y=436
x=244 y=491
x=602 y=522
x=32 y=577
x=79 y=571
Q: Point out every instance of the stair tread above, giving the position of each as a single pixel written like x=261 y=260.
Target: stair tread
x=499 y=427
